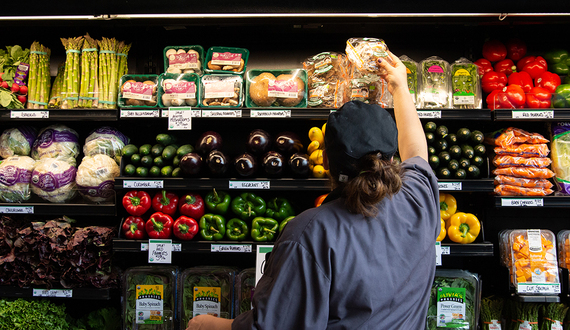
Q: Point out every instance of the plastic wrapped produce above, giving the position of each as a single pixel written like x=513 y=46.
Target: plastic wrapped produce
x=326 y=72
x=54 y=180
x=245 y=285
x=412 y=74
x=106 y=141
x=560 y=147
x=222 y=90
x=15 y=178
x=138 y=91
x=56 y=141
x=183 y=59
x=96 y=178
x=178 y=90
x=276 y=88
x=465 y=84
x=17 y=141
x=434 y=86
x=365 y=52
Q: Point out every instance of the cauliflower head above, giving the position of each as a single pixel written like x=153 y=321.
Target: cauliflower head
x=15 y=178
x=96 y=178
x=17 y=141
x=107 y=141
x=57 y=141
x=54 y=180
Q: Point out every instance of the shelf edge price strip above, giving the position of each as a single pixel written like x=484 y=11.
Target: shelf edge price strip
x=53 y=293
x=522 y=202
x=450 y=186
x=140 y=113
x=538 y=288
x=141 y=184
x=249 y=185
x=17 y=209
x=533 y=114
x=256 y=113
x=221 y=113
x=239 y=248
x=429 y=114
x=27 y=114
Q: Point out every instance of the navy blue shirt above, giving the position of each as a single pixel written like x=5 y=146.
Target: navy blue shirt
x=331 y=269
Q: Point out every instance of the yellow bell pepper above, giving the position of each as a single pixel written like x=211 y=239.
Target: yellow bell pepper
x=463 y=228
x=442 y=232
x=447 y=205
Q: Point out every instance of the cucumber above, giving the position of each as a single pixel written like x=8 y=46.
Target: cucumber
x=158 y=161
x=146 y=161
x=142 y=171
x=433 y=161
x=176 y=161
x=473 y=171
x=431 y=150
x=130 y=170
x=129 y=150
x=430 y=137
x=145 y=149
x=451 y=138
x=441 y=145
x=443 y=173
x=136 y=159
x=467 y=151
x=154 y=171
x=184 y=149
x=453 y=165
x=477 y=137
x=177 y=172
x=463 y=134
x=169 y=152
x=460 y=174
x=455 y=151
x=444 y=157
x=477 y=161
x=464 y=163
x=166 y=171
x=480 y=149
x=430 y=126
x=156 y=150
x=441 y=131
x=165 y=139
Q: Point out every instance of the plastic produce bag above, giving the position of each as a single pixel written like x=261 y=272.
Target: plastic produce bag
x=365 y=52
x=15 y=178
x=560 y=148
x=434 y=86
x=96 y=178
x=106 y=141
x=17 y=141
x=326 y=73
x=466 y=87
x=54 y=180
x=56 y=141
x=412 y=74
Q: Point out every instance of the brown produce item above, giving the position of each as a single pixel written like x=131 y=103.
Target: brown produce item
x=291 y=102
x=258 y=90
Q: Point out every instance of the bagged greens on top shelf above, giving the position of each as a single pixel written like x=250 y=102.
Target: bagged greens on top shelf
x=412 y=73
x=434 y=86
x=465 y=84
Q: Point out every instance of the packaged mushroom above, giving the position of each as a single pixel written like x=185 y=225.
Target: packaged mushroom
x=364 y=53
x=276 y=88
x=326 y=73
x=138 y=91
x=178 y=90
x=183 y=59
x=226 y=60
x=222 y=90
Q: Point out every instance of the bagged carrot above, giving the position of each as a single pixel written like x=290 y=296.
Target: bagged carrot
x=508 y=190
x=525 y=172
x=506 y=161
x=522 y=182
x=524 y=150
x=512 y=135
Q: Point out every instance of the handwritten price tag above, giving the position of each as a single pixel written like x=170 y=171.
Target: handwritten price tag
x=522 y=202
x=53 y=293
x=140 y=113
x=538 y=288
x=249 y=185
x=533 y=114
x=270 y=113
x=159 y=251
x=139 y=184
x=180 y=119
x=449 y=185
x=240 y=248
x=429 y=114
x=17 y=209
x=221 y=113
x=29 y=114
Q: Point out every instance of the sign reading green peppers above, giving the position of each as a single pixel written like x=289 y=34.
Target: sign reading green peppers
x=212 y=227
x=236 y=230
x=561 y=97
x=264 y=229
x=218 y=202
x=558 y=61
x=248 y=206
x=279 y=208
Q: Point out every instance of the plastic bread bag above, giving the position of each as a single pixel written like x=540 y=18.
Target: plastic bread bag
x=522 y=182
x=508 y=190
x=512 y=135
x=56 y=141
x=95 y=178
x=15 y=178
x=412 y=73
x=466 y=87
x=17 y=141
x=524 y=150
x=54 y=180
x=105 y=140
x=365 y=52
x=434 y=86
x=560 y=147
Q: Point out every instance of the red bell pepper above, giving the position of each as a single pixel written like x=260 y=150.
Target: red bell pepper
x=548 y=81
x=185 y=228
x=484 y=66
x=505 y=66
x=516 y=49
x=538 y=98
x=165 y=202
x=136 y=202
x=191 y=205
x=494 y=50
x=534 y=65
x=133 y=228
x=159 y=225
x=492 y=81
x=510 y=97
x=522 y=79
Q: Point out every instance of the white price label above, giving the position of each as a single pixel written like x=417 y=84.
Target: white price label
x=159 y=251
x=438 y=253
x=140 y=113
x=522 y=202
x=445 y=250
x=141 y=184
x=176 y=247
x=262 y=250
x=249 y=185
x=538 y=288
x=221 y=113
x=29 y=114
x=449 y=185
x=533 y=114
x=240 y=248
x=429 y=114
x=17 y=209
x=193 y=112
x=180 y=119
x=270 y=113
x=53 y=293
x=463 y=99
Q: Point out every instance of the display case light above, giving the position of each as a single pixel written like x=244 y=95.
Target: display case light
x=54 y=18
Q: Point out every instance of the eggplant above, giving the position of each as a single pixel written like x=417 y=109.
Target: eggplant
x=209 y=141
x=258 y=142
x=191 y=163
x=288 y=143
x=217 y=162
x=245 y=164
x=299 y=164
x=273 y=163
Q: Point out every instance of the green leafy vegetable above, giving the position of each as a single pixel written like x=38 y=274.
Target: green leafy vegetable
x=464 y=79
x=33 y=314
x=435 y=83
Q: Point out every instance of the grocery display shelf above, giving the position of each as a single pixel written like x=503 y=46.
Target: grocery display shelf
x=483 y=249
x=539 y=201
x=531 y=114
x=479 y=185
x=536 y=299
x=73 y=293
x=70 y=209
x=60 y=114
x=141 y=246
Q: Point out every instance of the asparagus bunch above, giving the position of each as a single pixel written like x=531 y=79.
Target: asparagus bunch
x=71 y=80
x=89 y=72
x=123 y=55
x=108 y=72
x=39 y=79
x=56 y=88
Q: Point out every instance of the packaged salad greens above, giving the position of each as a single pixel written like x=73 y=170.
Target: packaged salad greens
x=149 y=297
x=465 y=85
x=412 y=72
x=206 y=290
x=434 y=86
x=560 y=154
x=454 y=300
x=245 y=285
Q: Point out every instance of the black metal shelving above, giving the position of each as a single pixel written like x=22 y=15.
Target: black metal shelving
x=60 y=115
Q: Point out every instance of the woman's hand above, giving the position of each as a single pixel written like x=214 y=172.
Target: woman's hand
x=395 y=75
x=209 y=322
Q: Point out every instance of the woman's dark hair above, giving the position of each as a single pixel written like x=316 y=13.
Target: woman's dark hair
x=379 y=178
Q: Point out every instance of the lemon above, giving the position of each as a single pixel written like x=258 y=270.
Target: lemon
x=319 y=171
x=314 y=145
x=324 y=128
x=315 y=134
x=316 y=157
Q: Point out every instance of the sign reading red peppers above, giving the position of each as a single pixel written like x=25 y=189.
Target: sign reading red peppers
x=218 y=216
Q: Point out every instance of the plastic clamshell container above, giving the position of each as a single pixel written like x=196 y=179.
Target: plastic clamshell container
x=286 y=93
x=245 y=285
x=193 y=63
x=149 y=284
x=434 y=83
x=464 y=290
x=226 y=56
x=563 y=239
x=504 y=248
x=178 y=93
x=132 y=87
x=534 y=260
x=206 y=290
x=221 y=90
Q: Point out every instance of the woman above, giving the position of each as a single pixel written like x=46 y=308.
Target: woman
x=364 y=259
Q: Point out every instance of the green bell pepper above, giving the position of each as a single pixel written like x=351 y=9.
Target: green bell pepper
x=248 y=206
x=212 y=227
x=218 y=202
x=236 y=229
x=279 y=208
x=558 y=61
x=561 y=97
x=284 y=222
x=263 y=229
